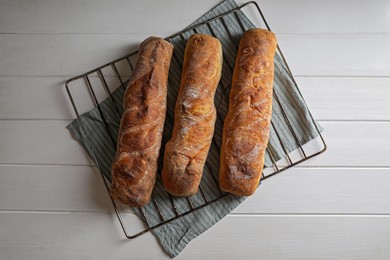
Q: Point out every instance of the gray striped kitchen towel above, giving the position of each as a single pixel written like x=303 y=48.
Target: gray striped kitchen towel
x=177 y=234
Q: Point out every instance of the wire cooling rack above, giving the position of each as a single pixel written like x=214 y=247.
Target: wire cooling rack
x=121 y=74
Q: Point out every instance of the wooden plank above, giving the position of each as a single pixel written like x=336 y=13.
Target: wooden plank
x=49 y=142
x=295 y=237
x=328 y=98
x=322 y=191
x=336 y=55
x=62 y=54
x=92 y=16
x=98 y=236
x=51 y=188
x=30 y=97
x=297 y=191
x=70 y=54
x=354 y=144
x=39 y=142
x=305 y=16
x=347 y=98
x=126 y=16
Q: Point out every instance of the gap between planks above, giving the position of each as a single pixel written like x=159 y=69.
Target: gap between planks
x=322 y=120
x=348 y=34
x=319 y=121
x=281 y=215
x=65 y=77
x=324 y=167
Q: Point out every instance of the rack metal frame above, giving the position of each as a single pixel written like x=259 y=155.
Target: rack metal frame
x=193 y=29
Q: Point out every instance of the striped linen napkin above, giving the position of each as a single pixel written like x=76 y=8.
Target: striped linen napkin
x=175 y=235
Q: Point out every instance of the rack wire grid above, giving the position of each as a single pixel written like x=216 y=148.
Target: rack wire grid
x=276 y=167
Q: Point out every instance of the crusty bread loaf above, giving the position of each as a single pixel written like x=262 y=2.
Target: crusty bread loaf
x=195 y=114
x=139 y=140
x=247 y=123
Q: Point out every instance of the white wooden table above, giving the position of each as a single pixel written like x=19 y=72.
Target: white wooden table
x=53 y=204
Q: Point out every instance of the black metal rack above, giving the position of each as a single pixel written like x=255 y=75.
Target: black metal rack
x=118 y=73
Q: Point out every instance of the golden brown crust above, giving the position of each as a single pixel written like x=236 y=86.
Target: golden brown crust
x=195 y=114
x=247 y=123
x=139 y=140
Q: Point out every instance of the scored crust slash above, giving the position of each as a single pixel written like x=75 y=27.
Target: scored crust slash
x=246 y=128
